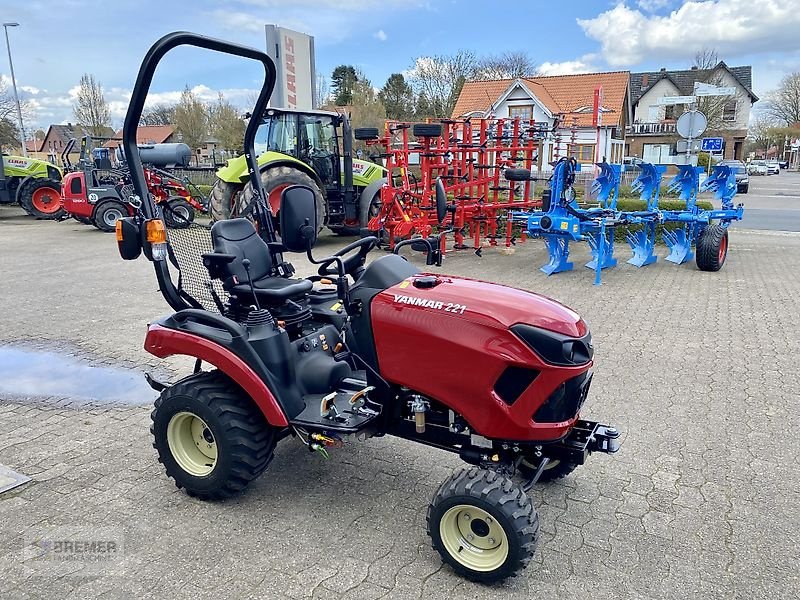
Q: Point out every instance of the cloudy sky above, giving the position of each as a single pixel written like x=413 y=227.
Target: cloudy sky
x=59 y=40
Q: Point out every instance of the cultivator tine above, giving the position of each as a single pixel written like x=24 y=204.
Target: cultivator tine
x=722 y=182
x=602 y=247
x=605 y=186
x=558 y=249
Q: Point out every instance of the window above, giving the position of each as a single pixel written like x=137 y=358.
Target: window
x=729 y=111
x=669 y=112
x=583 y=153
x=521 y=112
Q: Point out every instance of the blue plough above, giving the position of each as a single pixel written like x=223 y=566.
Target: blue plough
x=562 y=220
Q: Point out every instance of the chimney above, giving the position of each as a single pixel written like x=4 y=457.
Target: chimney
x=645 y=80
x=694 y=68
x=663 y=69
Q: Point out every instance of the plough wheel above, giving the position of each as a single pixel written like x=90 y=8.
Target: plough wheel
x=712 y=248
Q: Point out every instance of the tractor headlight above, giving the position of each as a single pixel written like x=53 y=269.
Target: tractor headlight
x=555 y=348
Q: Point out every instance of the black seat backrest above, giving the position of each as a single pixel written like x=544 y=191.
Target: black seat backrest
x=239 y=238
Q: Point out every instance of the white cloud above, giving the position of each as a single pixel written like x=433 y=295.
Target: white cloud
x=584 y=64
x=732 y=27
x=30 y=89
x=380 y=35
x=653 y=5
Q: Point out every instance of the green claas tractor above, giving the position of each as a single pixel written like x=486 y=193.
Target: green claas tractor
x=312 y=149
x=34 y=184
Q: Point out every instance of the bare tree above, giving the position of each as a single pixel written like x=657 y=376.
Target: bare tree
x=784 y=102
x=9 y=130
x=764 y=132
x=508 y=65
x=438 y=80
x=706 y=58
x=366 y=109
x=191 y=119
x=90 y=108
x=321 y=91
x=158 y=114
x=226 y=124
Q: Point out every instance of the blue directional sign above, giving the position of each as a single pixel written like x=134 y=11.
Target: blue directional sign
x=712 y=144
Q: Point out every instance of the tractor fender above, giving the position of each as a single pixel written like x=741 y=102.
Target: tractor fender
x=22 y=185
x=371 y=190
x=235 y=170
x=163 y=342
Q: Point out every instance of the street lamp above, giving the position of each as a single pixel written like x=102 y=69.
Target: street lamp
x=14 y=85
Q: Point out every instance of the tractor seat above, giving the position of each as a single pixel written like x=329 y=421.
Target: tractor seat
x=238 y=238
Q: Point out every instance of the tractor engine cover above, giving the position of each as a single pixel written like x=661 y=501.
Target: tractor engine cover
x=454 y=343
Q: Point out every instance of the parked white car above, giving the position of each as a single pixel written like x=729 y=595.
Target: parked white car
x=757 y=167
x=773 y=167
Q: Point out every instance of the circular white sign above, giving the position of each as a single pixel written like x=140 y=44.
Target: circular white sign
x=691 y=124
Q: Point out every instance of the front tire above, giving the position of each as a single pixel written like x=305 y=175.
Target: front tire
x=41 y=198
x=210 y=437
x=483 y=525
x=107 y=215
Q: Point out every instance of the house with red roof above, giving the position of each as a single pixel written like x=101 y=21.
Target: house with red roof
x=565 y=105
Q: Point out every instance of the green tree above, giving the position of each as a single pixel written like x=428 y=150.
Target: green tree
x=226 y=125
x=191 y=119
x=90 y=108
x=397 y=97
x=343 y=81
x=366 y=109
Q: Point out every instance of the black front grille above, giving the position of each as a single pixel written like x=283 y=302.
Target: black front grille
x=565 y=402
x=514 y=380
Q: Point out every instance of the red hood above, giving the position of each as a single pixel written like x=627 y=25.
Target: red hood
x=504 y=305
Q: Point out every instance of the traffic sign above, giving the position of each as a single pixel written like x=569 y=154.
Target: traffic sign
x=691 y=124
x=712 y=144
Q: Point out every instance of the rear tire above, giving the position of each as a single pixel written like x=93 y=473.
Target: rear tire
x=427 y=130
x=273 y=181
x=178 y=213
x=108 y=213
x=41 y=198
x=210 y=437
x=483 y=525
x=222 y=199
x=712 y=248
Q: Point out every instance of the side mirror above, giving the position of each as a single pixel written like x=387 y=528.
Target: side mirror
x=441 y=201
x=298 y=218
x=129 y=241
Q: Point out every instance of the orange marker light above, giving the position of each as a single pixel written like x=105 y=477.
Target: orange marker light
x=156 y=232
x=118 y=230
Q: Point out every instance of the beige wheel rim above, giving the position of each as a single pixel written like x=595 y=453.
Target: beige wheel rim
x=192 y=444
x=551 y=464
x=474 y=538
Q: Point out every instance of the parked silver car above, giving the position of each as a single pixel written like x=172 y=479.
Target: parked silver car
x=757 y=167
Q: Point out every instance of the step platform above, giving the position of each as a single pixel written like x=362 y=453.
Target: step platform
x=336 y=412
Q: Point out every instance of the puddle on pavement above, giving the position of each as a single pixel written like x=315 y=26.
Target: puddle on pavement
x=41 y=374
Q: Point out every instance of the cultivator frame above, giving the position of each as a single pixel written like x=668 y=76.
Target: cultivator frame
x=469 y=156
x=565 y=220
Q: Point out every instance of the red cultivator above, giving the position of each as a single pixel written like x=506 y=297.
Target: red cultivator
x=469 y=156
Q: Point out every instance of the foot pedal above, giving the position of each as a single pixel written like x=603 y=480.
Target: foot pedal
x=358 y=399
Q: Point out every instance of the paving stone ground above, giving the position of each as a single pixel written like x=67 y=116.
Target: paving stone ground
x=699 y=371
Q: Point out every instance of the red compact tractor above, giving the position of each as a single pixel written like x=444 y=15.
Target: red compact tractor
x=102 y=196
x=496 y=375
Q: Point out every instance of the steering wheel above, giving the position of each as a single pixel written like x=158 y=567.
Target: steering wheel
x=328 y=266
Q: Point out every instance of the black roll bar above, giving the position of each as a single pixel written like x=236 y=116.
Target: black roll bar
x=140 y=90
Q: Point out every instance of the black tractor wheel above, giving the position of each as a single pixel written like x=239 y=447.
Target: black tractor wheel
x=366 y=133
x=210 y=437
x=274 y=180
x=712 y=248
x=41 y=198
x=108 y=213
x=483 y=525
x=553 y=470
x=222 y=199
x=427 y=130
x=178 y=213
